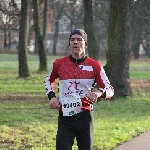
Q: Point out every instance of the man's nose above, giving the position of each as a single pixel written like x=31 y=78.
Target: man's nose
x=75 y=41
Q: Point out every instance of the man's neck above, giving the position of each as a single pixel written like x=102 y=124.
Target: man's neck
x=78 y=56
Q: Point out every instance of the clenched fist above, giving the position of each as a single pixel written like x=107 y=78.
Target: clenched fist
x=54 y=103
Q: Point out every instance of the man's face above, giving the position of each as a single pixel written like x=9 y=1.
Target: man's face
x=77 y=45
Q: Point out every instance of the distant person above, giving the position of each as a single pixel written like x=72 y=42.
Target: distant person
x=77 y=76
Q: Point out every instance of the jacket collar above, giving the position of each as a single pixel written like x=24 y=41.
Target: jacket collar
x=77 y=61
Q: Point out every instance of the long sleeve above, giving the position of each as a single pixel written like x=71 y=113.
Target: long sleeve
x=50 y=81
x=103 y=82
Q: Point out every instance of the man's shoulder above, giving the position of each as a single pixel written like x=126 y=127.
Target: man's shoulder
x=94 y=63
x=62 y=59
x=91 y=60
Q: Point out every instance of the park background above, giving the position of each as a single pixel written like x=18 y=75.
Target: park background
x=26 y=122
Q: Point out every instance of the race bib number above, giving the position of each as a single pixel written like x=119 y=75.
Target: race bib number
x=71 y=104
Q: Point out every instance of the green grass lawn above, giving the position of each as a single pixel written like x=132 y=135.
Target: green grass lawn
x=27 y=123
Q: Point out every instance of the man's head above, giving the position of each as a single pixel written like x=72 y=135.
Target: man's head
x=78 y=42
x=79 y=32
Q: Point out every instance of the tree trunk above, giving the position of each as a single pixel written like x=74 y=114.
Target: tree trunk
x=41 y=43
x=58 y=13
x=43 y=60
x=146 y=25
x=119 y=47
x=45 y=23
x=55 y=37
x=9 y=36
x=93 y=48
x=136 y=29
x=23 y=39
x=5 y=37
x=146 y=46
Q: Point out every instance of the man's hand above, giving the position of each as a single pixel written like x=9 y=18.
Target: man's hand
x=54 y=103
x=94 y=95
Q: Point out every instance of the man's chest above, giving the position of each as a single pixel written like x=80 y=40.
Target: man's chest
x=75 y=71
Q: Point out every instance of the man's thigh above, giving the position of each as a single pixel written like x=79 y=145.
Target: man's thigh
x=64 y=138
x=85 y=138
x=84 y=133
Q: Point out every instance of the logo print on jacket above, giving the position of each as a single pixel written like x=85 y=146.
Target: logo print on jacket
x=87 y=68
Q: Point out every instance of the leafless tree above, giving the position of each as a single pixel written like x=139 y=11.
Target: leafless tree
x=93 y=47
x=23 y=39
x=40 y=39
x=58 y=10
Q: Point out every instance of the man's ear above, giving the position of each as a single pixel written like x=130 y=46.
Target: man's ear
x=86 y=45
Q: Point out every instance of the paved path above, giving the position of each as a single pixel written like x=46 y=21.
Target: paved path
x=141 y=142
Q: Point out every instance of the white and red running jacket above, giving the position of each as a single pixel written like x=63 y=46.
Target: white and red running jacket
x=78 y=76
